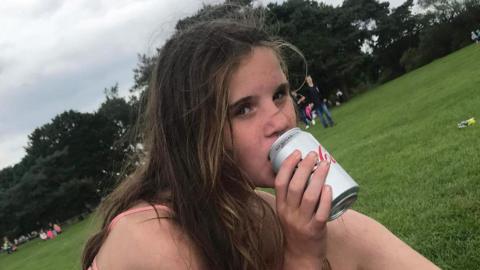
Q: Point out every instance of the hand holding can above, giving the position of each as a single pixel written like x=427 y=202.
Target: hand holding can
x=344 y=188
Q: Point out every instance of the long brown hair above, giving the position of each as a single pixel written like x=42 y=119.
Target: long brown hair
x=187 y=166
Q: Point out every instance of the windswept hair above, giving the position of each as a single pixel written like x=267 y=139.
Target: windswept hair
x=187 y=166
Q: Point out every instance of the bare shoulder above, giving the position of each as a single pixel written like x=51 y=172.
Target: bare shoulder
x=143 y=241
x=370 y=245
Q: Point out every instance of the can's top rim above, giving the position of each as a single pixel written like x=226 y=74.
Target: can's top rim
x=279 y=140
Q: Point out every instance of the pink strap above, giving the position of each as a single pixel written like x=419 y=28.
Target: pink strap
x=135 y=210
x=121 y=215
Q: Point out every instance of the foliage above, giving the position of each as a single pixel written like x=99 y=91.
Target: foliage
x=71 y=163
x=233 y=9
x=417 y=171
x=77 y=158
x=443 y=34
x=362 y=42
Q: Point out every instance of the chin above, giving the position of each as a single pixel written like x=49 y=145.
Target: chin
x=268 y=181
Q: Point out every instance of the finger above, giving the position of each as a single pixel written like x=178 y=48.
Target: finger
x=323 y=211
x=285 y=174
x=299 y=180
x=311 y=196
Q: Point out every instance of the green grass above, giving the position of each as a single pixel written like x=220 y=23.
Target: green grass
x=62 y=253
x=418 y=173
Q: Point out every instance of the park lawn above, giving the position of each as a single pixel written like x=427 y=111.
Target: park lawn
x=62 y=253
x=418 y=173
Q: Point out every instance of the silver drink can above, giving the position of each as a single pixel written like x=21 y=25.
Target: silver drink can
x=344 y=188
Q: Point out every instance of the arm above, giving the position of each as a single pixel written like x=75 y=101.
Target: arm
x=372 y=245
x=302 y=99
x=365 y=243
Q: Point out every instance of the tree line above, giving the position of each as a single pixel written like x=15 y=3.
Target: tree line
x=77 y=158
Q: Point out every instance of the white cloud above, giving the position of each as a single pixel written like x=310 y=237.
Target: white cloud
x=76 y=34
x=12 y=149
x=57 y=55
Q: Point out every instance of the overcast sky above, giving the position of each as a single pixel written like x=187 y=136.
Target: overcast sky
x=57 y=55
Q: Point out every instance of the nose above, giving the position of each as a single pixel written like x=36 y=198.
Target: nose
x=278 y=120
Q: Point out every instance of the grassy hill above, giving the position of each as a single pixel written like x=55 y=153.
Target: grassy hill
x=419 y=174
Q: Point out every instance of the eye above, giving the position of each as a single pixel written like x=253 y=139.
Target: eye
x=243 y=110
x=280 y=94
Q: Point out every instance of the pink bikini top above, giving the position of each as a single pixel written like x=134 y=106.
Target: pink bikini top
x=126 y=213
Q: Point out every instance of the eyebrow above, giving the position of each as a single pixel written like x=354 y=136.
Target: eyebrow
x=282 y=86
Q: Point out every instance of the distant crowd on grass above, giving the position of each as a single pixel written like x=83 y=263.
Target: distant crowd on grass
x=51 y=232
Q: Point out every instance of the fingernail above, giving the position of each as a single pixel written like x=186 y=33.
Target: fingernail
x=297 y=153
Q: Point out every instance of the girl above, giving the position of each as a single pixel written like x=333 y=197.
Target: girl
x=219 y=99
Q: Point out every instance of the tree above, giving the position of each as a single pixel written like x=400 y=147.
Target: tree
x=119 y=118
x=395 y=33
x=329 y=39
x=7 y=178
x=233 y=9
x=445 y=10
x=444 y=28
x=71 y=163
x=47 y=191
x=142 y=73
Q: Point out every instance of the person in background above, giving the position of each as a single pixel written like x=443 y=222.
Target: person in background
x=309 y=113
x=340 y=98
x=43 y=235
x=57 y=228
x=50 y=234
x=301 y=102
x=8 y=246
x=318 y=99
x=475 y=36
x=52 y=229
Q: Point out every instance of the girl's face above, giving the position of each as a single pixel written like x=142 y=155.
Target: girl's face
x=260 y=110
